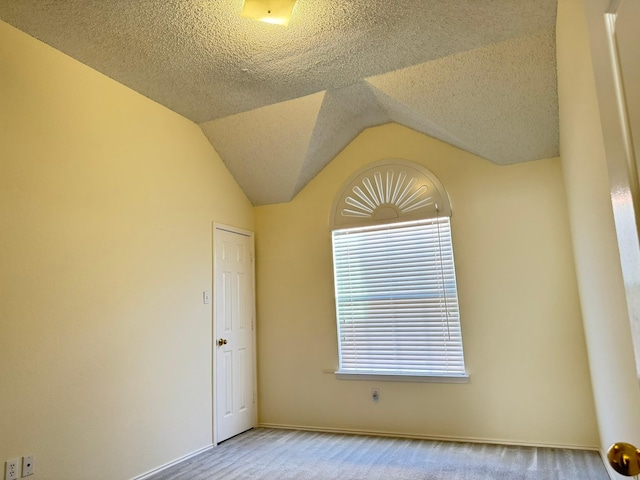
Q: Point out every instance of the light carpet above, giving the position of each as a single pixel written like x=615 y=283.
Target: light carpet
x=290 y=454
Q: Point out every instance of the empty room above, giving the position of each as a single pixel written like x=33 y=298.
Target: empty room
x=319 y=239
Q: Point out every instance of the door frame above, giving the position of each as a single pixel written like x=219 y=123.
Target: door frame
x=247 y=233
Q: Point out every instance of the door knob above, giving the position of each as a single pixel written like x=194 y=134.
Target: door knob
x=222 y=341
x=624 y=458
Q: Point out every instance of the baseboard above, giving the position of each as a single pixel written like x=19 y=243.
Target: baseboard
x=172 y=463
x=493 y=441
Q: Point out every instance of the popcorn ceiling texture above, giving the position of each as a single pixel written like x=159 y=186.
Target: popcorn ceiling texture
x=477 y=74
x=262 y=146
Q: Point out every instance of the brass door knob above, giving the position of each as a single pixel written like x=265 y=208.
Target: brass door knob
x=222 y=341
x=624 y=458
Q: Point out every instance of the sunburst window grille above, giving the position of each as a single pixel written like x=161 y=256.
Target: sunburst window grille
x=391 y=191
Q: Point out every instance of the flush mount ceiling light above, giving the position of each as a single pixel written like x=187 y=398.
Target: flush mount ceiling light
x=270 y=11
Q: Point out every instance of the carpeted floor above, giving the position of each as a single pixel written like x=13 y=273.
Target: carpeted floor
x=290 y=454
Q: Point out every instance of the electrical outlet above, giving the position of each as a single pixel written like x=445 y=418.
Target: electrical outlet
x=375 y=394
x=28 y=465
x=11 y=469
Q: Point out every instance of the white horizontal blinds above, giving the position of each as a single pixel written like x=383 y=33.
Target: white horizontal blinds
x=397 y=304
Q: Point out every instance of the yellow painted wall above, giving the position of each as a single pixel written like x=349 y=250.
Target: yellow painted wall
x=520 y=314
x=607 y=330
x=106 y=207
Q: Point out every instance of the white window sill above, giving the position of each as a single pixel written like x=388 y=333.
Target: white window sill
x=401 y=377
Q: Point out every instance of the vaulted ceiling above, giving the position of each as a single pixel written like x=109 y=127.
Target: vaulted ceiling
x=278 y=103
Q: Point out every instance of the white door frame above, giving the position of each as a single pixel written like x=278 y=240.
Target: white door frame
x=239 y=231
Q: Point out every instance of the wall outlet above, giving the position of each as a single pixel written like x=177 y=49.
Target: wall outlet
x=28 y=465
x=375 y=394
x=11 y=469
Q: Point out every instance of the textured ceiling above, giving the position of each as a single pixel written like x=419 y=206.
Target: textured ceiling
x=279 y=103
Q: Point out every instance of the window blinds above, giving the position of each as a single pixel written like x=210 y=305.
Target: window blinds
x=396 y=300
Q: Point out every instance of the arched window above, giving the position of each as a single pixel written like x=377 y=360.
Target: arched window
x=395 y=285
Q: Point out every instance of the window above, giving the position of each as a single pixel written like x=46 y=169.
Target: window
x=396 y=296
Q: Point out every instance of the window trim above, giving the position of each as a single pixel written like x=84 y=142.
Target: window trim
x=404 y=377
x=383 y=194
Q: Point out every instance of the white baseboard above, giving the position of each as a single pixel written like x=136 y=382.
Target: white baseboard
x=172 y=463
x=495 y=441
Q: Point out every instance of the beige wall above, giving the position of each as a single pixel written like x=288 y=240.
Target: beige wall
x=607 y=330
x=519 y=307
x=106 y=208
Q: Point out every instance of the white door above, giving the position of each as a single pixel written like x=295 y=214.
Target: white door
x=234 y=346
x=615 y=48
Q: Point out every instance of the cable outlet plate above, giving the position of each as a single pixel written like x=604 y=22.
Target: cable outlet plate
x=28 y=466
x=11 y=469
x=375 y=394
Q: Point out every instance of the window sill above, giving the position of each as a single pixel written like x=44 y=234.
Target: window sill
x=402 y=377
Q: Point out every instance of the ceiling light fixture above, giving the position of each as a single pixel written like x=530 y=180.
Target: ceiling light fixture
x=270 y=11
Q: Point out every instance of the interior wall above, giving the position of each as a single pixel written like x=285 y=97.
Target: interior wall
x=106 y=204
x=520 y=315
x=606 y=323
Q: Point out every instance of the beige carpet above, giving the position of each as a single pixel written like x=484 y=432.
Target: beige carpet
x=285 y=454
